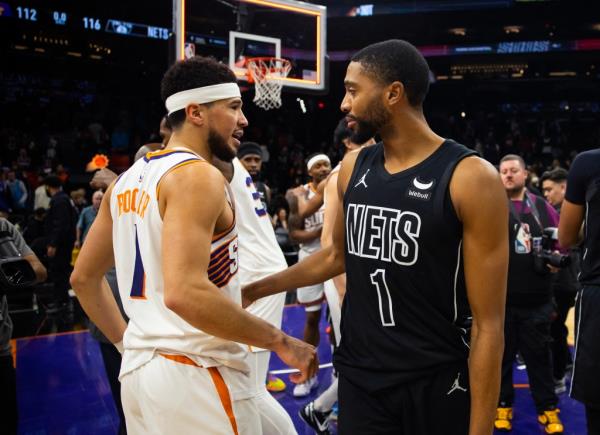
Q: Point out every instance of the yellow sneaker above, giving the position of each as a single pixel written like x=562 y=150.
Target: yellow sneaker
x=551 y=421
x=275 y=385
x=503 y=419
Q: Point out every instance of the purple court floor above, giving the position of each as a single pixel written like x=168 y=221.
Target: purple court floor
x=62 y=388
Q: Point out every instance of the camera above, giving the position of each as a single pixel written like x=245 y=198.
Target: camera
x=544 y=253
x=15 y=271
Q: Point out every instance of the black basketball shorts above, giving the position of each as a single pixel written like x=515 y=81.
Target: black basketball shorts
x=433 y=405
x=585 y=383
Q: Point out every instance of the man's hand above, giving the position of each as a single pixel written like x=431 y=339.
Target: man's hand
x=291 y=196
x=552 y=268
x=77 y=244
x=299 y=202
x=102 y=179
x=51 y=251
x=248 y=297
x=300 y=355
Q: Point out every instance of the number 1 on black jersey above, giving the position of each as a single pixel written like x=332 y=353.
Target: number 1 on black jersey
x=385 y=299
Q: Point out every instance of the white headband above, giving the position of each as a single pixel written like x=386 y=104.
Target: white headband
x=316 y=159
x=205 y=94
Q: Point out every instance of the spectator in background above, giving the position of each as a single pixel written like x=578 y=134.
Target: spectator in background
x=23 y=160
x=282 y=234
x=532 y=183
x=62 y=174
x=529 y=300
x=51 y=152
x=41 y=198
x=97 y=133
x=280 y=218
x=60 y=236
x=78 y=198
x=18 y=191
x=554 y=186
x=564 y=285
x=86 y=218
x=5 y=206
x=582 y=206
x=555 y=165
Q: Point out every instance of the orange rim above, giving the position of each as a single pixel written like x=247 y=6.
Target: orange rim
x=275 y=69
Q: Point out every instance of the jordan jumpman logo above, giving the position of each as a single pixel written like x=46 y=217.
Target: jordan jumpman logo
x=456 y=386
x=362 y=180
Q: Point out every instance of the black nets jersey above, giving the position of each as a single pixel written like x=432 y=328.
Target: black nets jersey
x=405 y=312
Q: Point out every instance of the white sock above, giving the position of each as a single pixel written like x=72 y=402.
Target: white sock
x=327 y=399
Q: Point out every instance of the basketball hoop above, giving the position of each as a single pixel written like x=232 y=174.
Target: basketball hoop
x=267 y=74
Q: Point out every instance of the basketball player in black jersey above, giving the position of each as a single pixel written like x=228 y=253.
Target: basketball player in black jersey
x=423 y=241
x=582 y=206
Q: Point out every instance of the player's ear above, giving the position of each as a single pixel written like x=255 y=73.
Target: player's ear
x=196 y=113
x=395 y=93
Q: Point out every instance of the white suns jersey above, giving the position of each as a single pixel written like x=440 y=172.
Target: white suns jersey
x=259 y=253
x=313 y=222
x=137 y=241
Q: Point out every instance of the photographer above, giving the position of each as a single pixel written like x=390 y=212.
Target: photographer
x=564 y=284
x=582 y=205
x=8 y=411
x=529 y=298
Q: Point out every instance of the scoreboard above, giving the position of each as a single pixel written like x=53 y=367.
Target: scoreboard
x=63 y=18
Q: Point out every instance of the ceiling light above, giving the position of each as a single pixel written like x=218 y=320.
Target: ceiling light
x=512 y=29
x=458 y=31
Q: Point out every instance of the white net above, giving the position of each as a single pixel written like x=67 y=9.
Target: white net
x=267 y=74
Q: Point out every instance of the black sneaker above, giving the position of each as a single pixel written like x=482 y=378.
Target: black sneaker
x=318 y=420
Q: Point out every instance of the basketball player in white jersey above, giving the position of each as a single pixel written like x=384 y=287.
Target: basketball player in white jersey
x=307 y=232
x=260 y=256
x=175 y=250
x=316 y=413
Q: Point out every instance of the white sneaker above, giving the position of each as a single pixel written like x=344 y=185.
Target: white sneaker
x=301 y=390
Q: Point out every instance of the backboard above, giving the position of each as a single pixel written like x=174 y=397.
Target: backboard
x=235 y=30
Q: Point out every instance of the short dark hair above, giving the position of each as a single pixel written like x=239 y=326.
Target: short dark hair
x=52 y=181
x=397 y=60
x=195 y=72
x=517 y=157
x=558 y=175
x=341 y=133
